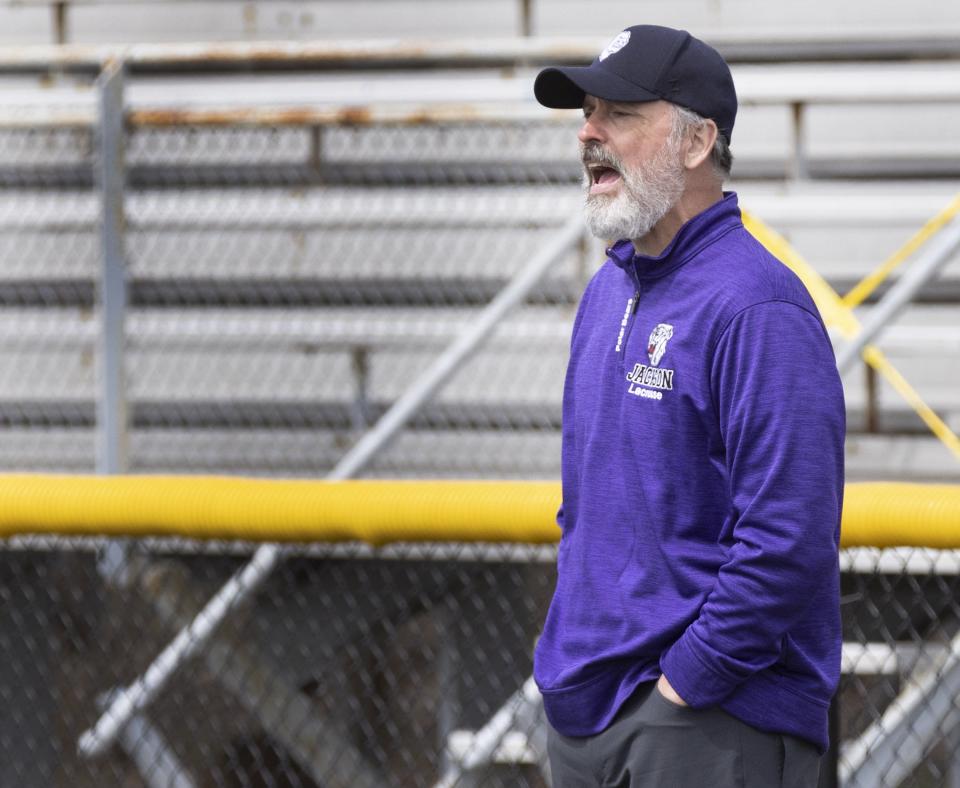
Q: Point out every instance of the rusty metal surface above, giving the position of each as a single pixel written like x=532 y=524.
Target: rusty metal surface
x=356 y=115
x=742 y=46
x=372 y=52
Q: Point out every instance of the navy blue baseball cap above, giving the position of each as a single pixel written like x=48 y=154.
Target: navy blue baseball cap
x=646 y=63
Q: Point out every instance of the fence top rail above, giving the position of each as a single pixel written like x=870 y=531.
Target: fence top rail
x=738 y=46
x=305 y=100
x=380 y=512
x=375 y=328
x=446 y=97
x=399 y=328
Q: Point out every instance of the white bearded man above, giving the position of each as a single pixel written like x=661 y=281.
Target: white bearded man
x=694 y=634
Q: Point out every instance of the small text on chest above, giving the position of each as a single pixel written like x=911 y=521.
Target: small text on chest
x=643 y=378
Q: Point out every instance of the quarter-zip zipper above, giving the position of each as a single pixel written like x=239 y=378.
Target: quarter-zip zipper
x=629 y=316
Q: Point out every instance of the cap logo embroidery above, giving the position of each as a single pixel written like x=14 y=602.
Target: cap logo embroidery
x=616 y=45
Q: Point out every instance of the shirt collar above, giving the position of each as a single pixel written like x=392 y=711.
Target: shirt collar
x=698 y=232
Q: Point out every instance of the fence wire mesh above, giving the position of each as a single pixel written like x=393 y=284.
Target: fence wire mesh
x=390 y=243
x=49 y=259
x=400 y=666
x=285 y=286
x=287 y=283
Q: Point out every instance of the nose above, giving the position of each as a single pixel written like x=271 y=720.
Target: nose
x=590 y=131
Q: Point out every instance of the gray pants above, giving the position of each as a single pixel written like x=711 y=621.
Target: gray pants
x=654 y=742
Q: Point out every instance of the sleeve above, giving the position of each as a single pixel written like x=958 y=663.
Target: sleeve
x=780 y=405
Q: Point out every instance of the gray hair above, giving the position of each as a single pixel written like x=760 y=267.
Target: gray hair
x=686 y=119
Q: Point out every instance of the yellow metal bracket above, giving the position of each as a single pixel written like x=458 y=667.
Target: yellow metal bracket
x=862 y=290
x=839 y=315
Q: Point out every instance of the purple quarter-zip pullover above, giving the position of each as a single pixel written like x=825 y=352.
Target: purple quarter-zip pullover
x=703 y=427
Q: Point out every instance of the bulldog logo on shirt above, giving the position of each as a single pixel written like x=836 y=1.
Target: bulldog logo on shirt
x=657 y=345
x=647 y=380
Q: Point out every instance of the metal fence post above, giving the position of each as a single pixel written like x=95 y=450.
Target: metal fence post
x=111 y=396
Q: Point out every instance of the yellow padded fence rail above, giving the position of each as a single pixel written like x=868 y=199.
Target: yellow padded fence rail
x=380 y=512
x=276 y=510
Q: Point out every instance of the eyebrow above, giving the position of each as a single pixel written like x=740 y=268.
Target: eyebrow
x=620 y=105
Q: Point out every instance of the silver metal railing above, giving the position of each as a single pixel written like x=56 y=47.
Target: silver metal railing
x=942 y=250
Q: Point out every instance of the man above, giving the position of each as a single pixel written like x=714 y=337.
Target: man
x=694 y=634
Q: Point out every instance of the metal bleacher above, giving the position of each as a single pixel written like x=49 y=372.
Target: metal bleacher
x=308 y=225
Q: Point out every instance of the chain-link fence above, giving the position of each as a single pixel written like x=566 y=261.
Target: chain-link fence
x=402 y=666
x=898 y=698
x=284 y=321
x=49 y=259
x=287 y=283
x=284 y=286
x=290 y=275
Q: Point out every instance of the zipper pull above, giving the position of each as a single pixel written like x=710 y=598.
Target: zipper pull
x=636 y=301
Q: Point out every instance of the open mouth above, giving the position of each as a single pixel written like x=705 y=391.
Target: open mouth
x=603 y=178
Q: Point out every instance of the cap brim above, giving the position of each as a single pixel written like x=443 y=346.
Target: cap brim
x=565 y=87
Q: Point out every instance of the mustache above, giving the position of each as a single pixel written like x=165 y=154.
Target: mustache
x=595 y=154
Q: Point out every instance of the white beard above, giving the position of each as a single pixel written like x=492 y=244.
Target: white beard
x=647 y=193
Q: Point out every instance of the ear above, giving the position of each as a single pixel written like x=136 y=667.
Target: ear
x=700 y=144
